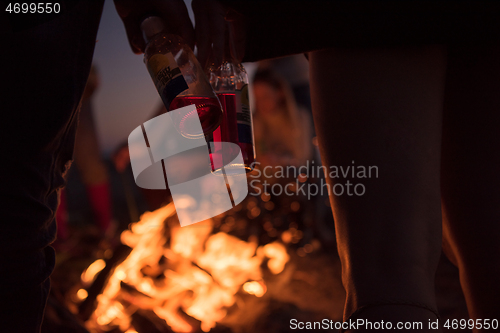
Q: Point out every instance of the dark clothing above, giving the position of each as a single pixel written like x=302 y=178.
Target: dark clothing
x=46 y=62
x=285 y=27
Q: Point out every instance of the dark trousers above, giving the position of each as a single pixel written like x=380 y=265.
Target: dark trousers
x=45 y=60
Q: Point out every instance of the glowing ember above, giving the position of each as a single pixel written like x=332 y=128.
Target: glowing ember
x=255 y=288
x=191 y=271
x=82 y=294
x=278 y=257
x=91 y=272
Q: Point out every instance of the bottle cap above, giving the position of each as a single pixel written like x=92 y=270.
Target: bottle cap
x=151 y=26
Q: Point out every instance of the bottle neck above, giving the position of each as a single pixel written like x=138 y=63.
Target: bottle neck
x=228 y=47
x=227 y=56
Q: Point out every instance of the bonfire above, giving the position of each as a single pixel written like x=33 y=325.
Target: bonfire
x=188 y=276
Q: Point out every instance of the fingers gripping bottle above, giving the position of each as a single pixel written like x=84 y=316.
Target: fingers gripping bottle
x=180 y=80
x=230 y=82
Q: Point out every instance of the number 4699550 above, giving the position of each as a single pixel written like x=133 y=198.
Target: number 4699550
x=484 y=324
x=40 y=8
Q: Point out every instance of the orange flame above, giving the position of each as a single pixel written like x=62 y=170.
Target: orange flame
x=203 y=273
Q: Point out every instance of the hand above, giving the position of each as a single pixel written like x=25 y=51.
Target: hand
x=213 y=19
x=173 y=12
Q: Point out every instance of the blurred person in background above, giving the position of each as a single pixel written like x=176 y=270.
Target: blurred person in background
x=294 y=69
x=286 y=81
x=91 y=167
x=281 y=126
x=283 y=141
x=121 y=161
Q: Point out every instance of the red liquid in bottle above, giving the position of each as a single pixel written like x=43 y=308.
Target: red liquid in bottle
x=234 y=131
x=208 y=112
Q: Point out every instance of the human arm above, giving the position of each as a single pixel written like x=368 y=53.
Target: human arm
x=173 y=12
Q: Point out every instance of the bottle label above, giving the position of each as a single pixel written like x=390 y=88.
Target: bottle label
x=166 y=76
x=243 y=116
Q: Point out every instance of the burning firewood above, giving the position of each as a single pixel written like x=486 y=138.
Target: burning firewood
x=86 y=308
x=186 y=277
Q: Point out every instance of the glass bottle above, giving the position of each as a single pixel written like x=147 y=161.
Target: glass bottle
x=180 y=80
x=230 y=82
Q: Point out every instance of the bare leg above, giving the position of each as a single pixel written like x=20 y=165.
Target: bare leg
x=382 y=107
x=470 y=174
